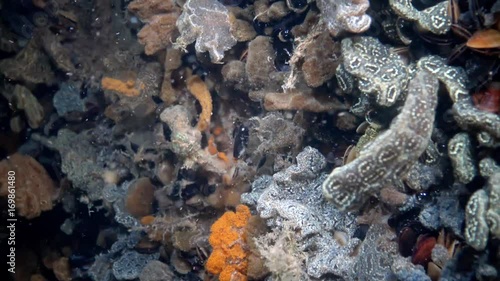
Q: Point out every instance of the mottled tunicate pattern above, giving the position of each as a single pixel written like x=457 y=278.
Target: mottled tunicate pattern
x=292 y=197
x=376 y=254
x=488 y=166
x=482 y=214
x=390 y=155
x=131 y=263
x=67 y=99
x=79 y=160
x=444 y=212
x=405 y=270
x=436 y=19
x=378 y=70
x=345 y=80
x=345 y=15
x=493 y=215
x=208 y=23
x=476 y=230
x=470 y=117
x=460 y=153
x=464 y=111
x=428 y=172
x=487 y=140
x=420 y=177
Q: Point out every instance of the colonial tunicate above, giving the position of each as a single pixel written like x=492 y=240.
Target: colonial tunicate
x=392 y=153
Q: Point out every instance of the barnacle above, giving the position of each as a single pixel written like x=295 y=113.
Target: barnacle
x=423 y=249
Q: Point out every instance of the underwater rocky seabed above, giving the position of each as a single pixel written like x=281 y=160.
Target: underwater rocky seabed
x=252 y=140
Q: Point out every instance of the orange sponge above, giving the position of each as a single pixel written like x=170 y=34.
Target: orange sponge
x=127 y=88
x=228 y=240
x=199 y=90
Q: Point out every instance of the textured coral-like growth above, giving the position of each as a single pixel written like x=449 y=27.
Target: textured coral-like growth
x=146 y=9
x=345 y=15
x=157 y=34
x=376 y=254
x=79 y=160
x=209 y=24
x=160 y=17
x=62 y=269
x=34 y=189
x=227 y=238
x=25 y=100
x=321 y=58
x=295 y=99
x=260 y=66
x=291 y=203
x=390 y=155
x=30 y=65
x=489 y=99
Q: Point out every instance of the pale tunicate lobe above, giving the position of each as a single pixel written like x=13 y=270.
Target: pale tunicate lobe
x=391 y=154
x=379 y=71
x=207 y=22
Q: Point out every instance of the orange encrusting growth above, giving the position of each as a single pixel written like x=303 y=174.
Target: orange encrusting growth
x=217 y=131
x=199 y=90
x=222 y=156
x=126 y=87
x=147 y=220
x=212 y=147
x=228 y=240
